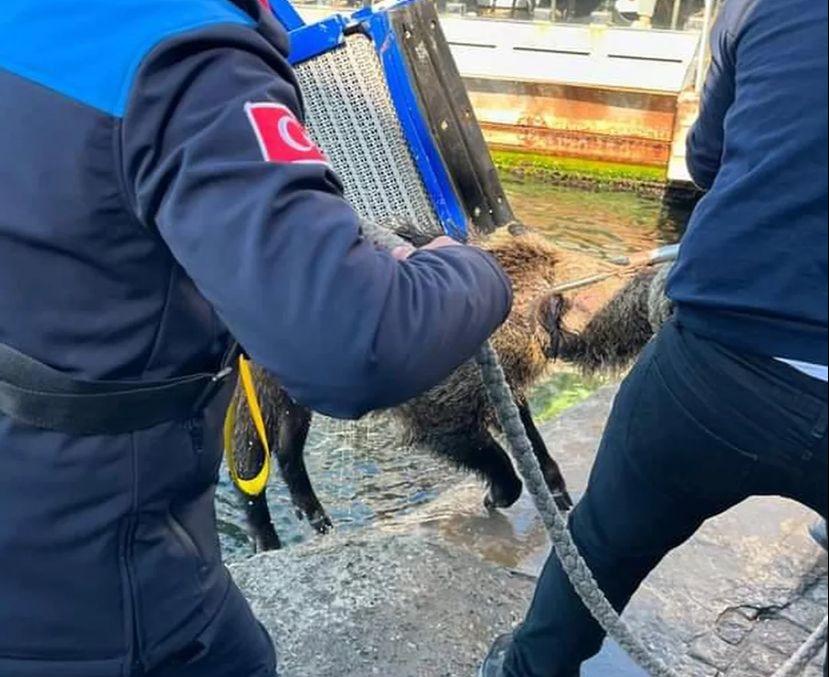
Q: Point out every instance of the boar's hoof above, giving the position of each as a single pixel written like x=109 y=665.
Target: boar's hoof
x=503 y=494
x=321 y=522
x=265 y=539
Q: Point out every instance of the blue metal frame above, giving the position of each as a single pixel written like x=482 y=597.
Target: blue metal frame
x=287 y=14
x=416 y=129
x=310 y=40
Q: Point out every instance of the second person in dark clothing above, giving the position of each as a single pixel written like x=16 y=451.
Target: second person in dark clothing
x=730 y=399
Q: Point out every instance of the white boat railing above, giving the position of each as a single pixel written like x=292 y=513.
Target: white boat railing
x=704 y=44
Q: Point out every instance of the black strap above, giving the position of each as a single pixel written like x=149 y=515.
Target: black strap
x=38 y=395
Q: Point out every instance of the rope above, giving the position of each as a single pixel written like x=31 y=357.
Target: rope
x=574 y=566
x=806 y=652
x=571 y=561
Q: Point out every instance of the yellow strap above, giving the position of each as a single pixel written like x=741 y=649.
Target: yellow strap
x=256 y=485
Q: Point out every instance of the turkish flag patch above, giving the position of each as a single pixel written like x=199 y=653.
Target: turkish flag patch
x=281 y=136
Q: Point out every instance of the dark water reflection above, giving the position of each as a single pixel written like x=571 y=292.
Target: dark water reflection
x=361 y=473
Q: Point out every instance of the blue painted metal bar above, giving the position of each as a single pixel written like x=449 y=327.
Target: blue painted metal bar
x=314 y=39
x=310 y=40
x=432 y=170
x=287 y=14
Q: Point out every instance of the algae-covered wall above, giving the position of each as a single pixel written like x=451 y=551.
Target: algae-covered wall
x=579 y=172
x=591 y=123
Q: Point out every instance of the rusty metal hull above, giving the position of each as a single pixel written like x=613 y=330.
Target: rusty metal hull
x=575 y=121
x=586 y=91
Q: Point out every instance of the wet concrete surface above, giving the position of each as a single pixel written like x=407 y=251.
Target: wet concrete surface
x=380 y=603
x=424 y=594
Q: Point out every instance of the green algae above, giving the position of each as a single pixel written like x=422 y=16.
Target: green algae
x=561 y=391
x=511 y=162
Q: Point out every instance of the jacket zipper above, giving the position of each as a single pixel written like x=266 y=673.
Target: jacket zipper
x=134 y=617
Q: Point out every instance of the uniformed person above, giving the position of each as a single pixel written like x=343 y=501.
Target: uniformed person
x=158 y=196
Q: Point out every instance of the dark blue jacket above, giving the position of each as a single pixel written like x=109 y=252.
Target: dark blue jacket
x=752 y=271
x=140 y=226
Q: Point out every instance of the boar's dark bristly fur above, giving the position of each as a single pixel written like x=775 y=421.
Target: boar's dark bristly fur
x=616 y=334
x=454 y=419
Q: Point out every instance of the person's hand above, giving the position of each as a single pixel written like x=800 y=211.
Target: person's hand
x=405 y=251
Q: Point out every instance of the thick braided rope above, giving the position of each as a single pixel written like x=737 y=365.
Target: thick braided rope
x=382 y=231
x=576 y=569
x=571 y=561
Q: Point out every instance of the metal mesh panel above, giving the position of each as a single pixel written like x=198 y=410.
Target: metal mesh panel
x=349 y=113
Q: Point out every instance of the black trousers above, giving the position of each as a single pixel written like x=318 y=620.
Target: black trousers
x=696 y=428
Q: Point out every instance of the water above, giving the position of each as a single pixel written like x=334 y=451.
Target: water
x=595 y=225
x=360 y=471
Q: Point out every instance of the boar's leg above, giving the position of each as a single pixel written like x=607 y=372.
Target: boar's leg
x=552 y=473
x=248 y=453
x=478 y=451
x=260 y=526
x=292 y=427
x=616 y=334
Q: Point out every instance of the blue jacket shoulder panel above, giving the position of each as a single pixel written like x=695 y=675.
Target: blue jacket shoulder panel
x=91 y=50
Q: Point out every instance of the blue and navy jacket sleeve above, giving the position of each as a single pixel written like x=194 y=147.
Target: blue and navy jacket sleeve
x=275 y=247
x=705 y=140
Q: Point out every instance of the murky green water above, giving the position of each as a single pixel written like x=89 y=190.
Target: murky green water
x=360 y=472
x=599 y=225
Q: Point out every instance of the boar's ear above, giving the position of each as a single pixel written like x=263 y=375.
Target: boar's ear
x=551 y=310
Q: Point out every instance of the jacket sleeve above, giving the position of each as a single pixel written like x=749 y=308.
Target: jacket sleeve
x=275 y=247
x=705 y=140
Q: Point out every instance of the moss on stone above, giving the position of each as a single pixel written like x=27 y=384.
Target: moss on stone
x=561 y=391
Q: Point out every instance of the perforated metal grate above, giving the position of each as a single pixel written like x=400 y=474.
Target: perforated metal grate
x=349 y=113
